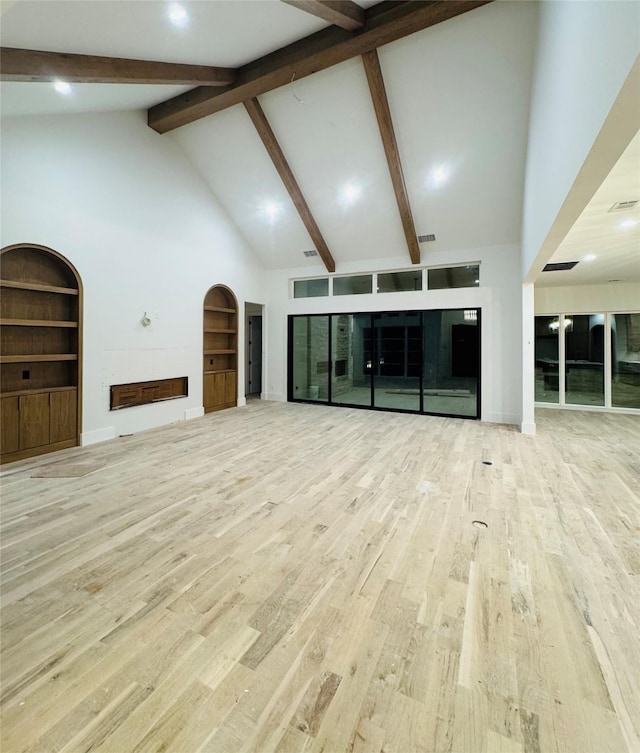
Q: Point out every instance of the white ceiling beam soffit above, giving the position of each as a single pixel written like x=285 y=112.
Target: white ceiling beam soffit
x=343 y=13
x=383 y=23
x=387 y=134
x=39 y=66
x=261 y=124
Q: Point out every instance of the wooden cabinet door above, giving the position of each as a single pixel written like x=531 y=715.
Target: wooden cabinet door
x=218 y=390
x=63 y=416
x=230 y=391
x=34 y=420
x=208 y=391
x=9 y=425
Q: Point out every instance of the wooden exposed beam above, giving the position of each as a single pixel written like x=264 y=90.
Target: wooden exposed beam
x=384 y=23
x=259 y=120
x=36 y=65
x=385 y=124
x=343 y=13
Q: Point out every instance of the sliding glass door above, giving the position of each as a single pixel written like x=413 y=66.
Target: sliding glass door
x=397 y=356
x=451 y=362
x=309 y=366
x=409 y=361
x=351 y=359
x=625 y=360
x=588 y=360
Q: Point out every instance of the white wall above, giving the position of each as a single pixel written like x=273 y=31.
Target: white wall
x=588 y=299
x=584 y=56
x=145 y=233
x=499 y=297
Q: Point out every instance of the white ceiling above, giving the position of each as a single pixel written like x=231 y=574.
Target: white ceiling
x=458 y=94
x=610 y=236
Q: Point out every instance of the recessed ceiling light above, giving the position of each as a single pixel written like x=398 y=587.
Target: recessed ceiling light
x=62 y=87
x=177 y=14
x=589 y=257
x=627 y=223
x=438 y=176
x=272 y=210
x=350 y=193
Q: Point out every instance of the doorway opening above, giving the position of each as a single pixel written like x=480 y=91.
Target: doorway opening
x=253 y=350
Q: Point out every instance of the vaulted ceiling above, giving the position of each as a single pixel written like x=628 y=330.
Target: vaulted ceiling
x=453 y=97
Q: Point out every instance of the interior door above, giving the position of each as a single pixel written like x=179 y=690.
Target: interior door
x=253 y=371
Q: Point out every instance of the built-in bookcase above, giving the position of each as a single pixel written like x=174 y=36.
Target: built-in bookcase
x=40 y=352
x=220 y=349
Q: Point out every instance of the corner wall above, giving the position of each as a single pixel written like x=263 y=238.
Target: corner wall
x=145 y=233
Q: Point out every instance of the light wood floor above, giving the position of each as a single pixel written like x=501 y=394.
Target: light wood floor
x=302 y=578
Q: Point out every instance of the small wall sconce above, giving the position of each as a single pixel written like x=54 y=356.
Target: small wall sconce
x=145 y=321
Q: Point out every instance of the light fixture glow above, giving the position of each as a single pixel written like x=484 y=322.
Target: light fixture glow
x=62 y=87
x=627 y=223
x=470 y=315
x=555 y=324
x=272 y=210
x=177 y=15
x=589 y=257
x=350 y=193
x=438 y=176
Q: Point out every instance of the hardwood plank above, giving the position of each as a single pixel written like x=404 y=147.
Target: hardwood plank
x=343 y=13
x=384 y=23
x=324 y=589
x=387 y=134
x=38 y=65
x=259 y=120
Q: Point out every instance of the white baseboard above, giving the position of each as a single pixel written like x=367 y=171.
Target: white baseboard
x=501 y=418
x=528 y=428
x=98 y=435
x=276 y=396
x=242 y=401
x=193 y=413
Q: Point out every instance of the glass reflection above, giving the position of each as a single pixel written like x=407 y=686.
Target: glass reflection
x=396 y=360
x=310 y=367
x=584 y=359
x=451 y=362
x=351 y=358
x=547 y=380
x=625 y=359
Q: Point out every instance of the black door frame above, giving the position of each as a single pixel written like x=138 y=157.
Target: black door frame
x=421 y=411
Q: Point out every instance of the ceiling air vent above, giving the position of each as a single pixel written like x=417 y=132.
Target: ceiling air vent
x=560 y=266
x=313 y=252
x=621 y=206
x=426 y=238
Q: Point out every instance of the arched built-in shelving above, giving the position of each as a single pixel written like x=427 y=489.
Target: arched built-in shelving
x=220 y=349
x=41 y=341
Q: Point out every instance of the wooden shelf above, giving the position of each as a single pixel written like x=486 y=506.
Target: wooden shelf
x=37 y=390
x=221 y=309
x=36 y=323
x=34 y=358
x=38 y=287
x=220 y=339
x=40 y=355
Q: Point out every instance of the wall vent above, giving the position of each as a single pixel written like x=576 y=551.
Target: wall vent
x=560 y=266
x=313 y=252
x=426 y=238
x=621 y=206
